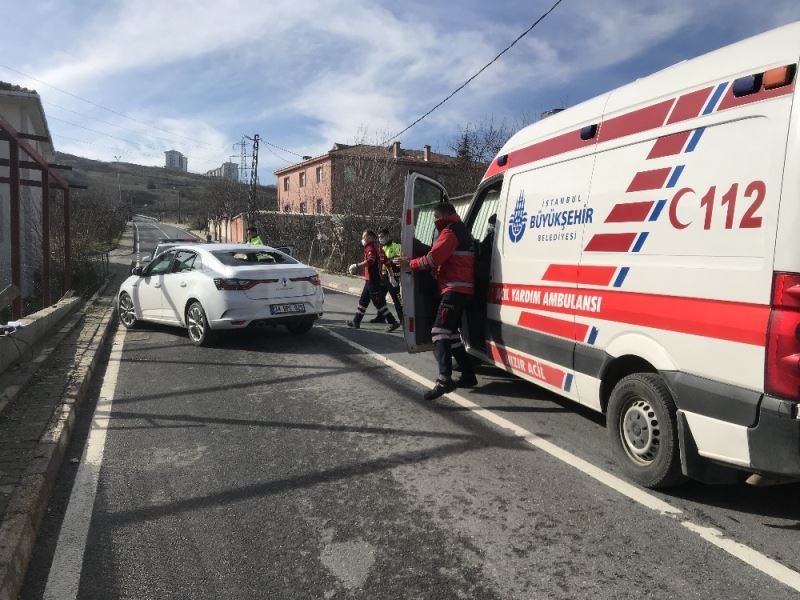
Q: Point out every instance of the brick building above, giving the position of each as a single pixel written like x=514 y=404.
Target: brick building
x=321 y=185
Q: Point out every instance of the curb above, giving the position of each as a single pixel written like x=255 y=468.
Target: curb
x=13 y=384
x=26 y=507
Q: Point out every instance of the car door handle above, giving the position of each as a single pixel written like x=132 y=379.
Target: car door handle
x=183 y=284
x=158 y=285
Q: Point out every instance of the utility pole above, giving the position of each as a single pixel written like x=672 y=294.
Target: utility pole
x=251 y=204
x=119 y=189
x=179 y=206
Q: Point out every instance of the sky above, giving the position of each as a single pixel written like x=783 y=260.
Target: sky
x=133 y=78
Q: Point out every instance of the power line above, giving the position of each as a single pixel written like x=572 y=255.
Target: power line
x=481 y=70
x=281 y=149
x=110 y=124
x=100 y=106
x=276 y=155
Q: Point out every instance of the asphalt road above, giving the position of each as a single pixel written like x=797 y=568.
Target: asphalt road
x=281 y=466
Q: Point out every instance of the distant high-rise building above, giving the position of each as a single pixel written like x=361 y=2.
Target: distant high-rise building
x=176 y=161
x=228 y=170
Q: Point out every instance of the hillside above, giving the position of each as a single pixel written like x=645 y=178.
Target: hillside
x=155 y=191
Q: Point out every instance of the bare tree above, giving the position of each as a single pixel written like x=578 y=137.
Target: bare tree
x=475 y=145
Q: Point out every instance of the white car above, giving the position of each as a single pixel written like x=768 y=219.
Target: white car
x=211 y=287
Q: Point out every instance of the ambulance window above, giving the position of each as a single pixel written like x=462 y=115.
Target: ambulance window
x=485 y=207
x=426 y=197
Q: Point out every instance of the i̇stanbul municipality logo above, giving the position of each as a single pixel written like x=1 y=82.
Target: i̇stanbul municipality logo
x=518 y=220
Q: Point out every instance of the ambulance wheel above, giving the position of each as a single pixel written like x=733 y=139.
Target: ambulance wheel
x=644 y=432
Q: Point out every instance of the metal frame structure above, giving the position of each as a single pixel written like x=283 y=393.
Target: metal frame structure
x=49 y=177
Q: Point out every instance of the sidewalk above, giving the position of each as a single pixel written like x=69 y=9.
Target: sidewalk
x=35 y=427
x=347 y=284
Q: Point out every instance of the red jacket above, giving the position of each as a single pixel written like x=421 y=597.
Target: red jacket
x=375 y=257
x=452 y=257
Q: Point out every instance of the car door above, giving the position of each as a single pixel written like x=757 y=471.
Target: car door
x=178 y=283
x=148 y=290
x=420 y=295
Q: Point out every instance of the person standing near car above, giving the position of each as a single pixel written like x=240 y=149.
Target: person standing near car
x=373 y=290
x=253 y=239
x=453 y=259
x=390 y=273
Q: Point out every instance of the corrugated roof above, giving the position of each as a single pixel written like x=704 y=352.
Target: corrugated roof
x=10 y=87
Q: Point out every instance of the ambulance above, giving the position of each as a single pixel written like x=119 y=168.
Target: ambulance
x=646 y=263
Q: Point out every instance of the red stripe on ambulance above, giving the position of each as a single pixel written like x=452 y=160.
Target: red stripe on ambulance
x=689 y=105
x=565 y=329
x=631 y=212
x=644 y=119
x=731 y=101
x=669 y=145
x=649 y=180
x=611 y=242
x=719 y=319
x=529 y=367
x=587 y=275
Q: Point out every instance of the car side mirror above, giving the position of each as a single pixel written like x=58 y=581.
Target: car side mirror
x=138 y=271
x=146 y=259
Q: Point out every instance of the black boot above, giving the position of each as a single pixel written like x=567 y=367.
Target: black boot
x=439 y=389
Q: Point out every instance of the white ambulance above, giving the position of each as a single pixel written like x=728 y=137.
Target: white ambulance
x=647 y=263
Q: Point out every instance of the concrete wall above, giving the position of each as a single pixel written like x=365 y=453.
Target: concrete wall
x=36 y=327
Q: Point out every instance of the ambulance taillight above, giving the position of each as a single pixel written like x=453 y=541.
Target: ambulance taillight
x=782 y=377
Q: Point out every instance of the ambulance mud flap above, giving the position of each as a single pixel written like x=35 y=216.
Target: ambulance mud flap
x=697 y=467
x=775 y=440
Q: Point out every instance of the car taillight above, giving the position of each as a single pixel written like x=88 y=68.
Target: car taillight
x=312 y=279
x=782 y=376
x=240 y=284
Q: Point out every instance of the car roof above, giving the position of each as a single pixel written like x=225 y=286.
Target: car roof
x=178 y=241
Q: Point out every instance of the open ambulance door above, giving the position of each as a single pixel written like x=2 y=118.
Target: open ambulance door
x=419 y=292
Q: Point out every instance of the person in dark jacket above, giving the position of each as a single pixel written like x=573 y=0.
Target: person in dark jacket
x=372 y=264
x=453 y=260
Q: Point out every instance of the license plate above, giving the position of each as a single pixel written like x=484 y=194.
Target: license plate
x=282 y=309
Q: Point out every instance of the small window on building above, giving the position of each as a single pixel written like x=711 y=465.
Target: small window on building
x=285 y=208
x=319 y=174
x=303 y=207
x=320 y=208
x=302 y=179
x=349 y=173
x=285 y=184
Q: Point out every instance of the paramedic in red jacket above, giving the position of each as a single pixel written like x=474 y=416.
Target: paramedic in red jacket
x=453 y=260
x=373 y=262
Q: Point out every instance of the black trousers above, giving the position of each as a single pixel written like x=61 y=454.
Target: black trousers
x=447 y=337
x=394 y=292
x=373 y=290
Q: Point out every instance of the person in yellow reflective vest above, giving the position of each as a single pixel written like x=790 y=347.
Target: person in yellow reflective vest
x=253 y=238
x=390 y=274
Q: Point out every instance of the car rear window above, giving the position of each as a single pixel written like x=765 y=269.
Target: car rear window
x=248 y=258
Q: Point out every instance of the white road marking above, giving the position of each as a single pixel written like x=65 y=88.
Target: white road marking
x=763 y=563
x=65 y=570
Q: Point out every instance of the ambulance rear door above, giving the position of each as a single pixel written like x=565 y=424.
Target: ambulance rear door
x=419 y=291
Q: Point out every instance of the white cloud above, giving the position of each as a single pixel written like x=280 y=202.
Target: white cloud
x=316 y=72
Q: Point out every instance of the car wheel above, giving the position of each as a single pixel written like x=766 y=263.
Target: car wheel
x=127 y=311
x=197 y=325
x=300 y=326
x=643 y=431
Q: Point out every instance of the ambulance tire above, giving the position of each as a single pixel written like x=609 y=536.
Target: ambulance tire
x=644 y=432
